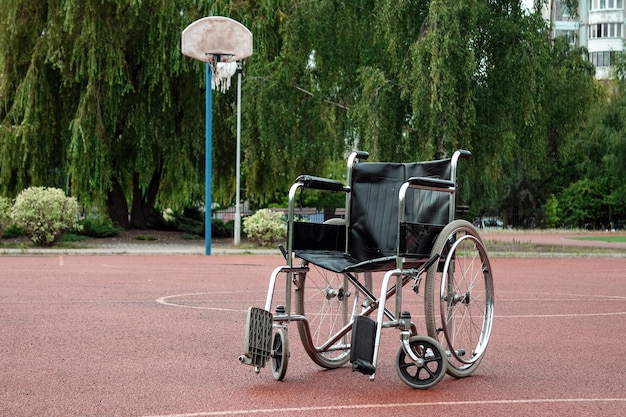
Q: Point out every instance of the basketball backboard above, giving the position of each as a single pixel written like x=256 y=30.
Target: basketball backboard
x=217 y=37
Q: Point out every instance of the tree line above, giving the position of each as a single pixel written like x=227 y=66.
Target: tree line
x=96 y=98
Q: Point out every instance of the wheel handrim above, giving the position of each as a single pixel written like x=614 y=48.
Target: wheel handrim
x=466 y=300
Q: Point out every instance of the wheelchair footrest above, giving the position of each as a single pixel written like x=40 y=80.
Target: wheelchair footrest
x=258 y=340
x=362 y=345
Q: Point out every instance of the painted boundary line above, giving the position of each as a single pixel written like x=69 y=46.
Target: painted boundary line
x=171 y=300
x=397 y=405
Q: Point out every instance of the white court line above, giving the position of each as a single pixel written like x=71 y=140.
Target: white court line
x=283 y=411
x=543 y=316
x=578 y=296
x=164 y=301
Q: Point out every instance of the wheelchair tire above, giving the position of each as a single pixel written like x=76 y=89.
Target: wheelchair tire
x=459 y=298
x=426 y=374
x=328 y=300
x=280 y=354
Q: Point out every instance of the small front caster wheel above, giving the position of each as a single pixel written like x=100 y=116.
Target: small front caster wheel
x=280 y=354
x=430 y=367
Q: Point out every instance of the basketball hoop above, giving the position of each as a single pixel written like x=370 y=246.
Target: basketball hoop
x=222 y=43
x=221 y=72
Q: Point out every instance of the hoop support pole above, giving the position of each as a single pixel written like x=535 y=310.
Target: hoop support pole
x=208 y=203
x=237 y=239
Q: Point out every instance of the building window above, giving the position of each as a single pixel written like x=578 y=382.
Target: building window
x=606 y=30
x=602 y=58
x=607 y=4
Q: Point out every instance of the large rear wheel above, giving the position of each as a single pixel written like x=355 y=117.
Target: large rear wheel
x=459 y=297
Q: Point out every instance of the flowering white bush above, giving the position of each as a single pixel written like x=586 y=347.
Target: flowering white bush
x=5 y=214
x=44 y=214
x=265 y=227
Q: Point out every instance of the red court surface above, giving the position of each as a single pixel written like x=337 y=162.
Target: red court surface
x=160 y=336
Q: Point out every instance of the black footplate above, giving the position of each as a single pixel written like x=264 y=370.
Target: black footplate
x=362 y=345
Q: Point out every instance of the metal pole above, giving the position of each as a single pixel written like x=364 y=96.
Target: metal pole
x=238 y=167
x=208 y=158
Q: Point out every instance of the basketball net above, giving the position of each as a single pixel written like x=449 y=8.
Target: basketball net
x=221 y=73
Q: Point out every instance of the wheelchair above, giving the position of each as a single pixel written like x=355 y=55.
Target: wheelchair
x=399 y=228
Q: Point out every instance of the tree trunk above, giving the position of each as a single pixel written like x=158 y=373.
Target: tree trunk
x=117 y=206
x=143 y=213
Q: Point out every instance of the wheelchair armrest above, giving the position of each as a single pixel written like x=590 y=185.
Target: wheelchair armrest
x=434 y=184
x=319 y=183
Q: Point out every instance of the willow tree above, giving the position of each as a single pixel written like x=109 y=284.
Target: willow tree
x=410 y=80
x=96 y=97
x=403 y=80
x=442 y=87
x=324 y=79
x=299 y=95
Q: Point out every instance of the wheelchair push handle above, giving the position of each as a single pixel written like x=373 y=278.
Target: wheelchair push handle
x=361 y=155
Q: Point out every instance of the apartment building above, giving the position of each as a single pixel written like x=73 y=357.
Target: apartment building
x=599 y=27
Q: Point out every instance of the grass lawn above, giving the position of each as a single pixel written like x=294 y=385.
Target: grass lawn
x=620 y=239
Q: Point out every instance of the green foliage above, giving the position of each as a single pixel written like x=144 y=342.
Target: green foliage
x=191 y=236
x=265 y=227
x=595 y=161
x=190 y=222
x=12 y=232
x=44 y=214
x=146 y=238
x=72 y=237
x=190 y=226
x=95 y=96
x=97 y=229
x=582 y=205
x=220 y=229
x=5 y=214
x=551 y=210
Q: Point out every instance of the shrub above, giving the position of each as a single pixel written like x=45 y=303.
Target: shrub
x=44 y=214
x=265 y=227
x=97 y=229
x=582 y=204
x=12 y=232
x=552 y=208
x=221 y=229
x=5 y=214
x=190 y=223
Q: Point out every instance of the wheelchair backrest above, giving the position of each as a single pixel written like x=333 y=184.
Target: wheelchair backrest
x=373 y=217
